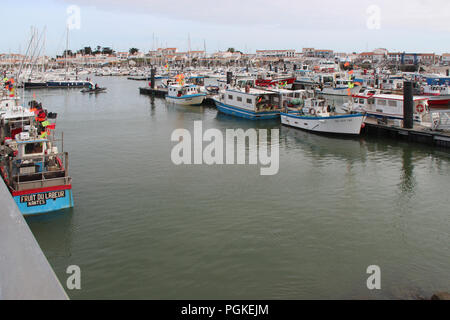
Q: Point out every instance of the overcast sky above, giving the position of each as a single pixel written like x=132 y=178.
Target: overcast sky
x=247 y=25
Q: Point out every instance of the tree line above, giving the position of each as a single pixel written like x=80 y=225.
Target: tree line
x=97 y=50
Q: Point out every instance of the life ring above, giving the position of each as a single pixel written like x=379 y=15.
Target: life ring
x=420 y=108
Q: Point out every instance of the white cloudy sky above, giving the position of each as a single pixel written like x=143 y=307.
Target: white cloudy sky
x=405 y=25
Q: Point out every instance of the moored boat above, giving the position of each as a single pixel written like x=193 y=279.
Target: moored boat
x=388 y=106
x=68 y=84
x=316 y=116
x=185 y=94
x=34 y=171
x=249 y=103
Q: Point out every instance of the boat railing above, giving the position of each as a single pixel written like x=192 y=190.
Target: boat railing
x=440 y=120
x=47 y=176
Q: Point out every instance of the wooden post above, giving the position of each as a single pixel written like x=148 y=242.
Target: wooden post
x=152 y=78
x=408 y=105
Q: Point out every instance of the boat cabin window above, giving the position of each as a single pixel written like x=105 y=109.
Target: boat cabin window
x=381 y=102
x=371 y=101
x=250 y=101
x=355 y=100
x=230 y=97
x=392 y=103
x=34 y=148
x=239 y=99
x=223 y=96
x=361 y=101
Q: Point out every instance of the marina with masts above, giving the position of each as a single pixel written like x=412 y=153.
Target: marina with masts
x=354 y=129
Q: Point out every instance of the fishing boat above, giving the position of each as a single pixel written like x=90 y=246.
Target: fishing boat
x=388 y=106
x=185 y=94
x=316 y=115
x=249 y=103
x=34 y=171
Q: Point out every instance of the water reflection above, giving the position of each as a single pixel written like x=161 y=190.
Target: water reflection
x=320 y=146
x=407 y=179
x=58 y=228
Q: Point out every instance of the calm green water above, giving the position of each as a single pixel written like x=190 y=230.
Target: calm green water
x=145 y=228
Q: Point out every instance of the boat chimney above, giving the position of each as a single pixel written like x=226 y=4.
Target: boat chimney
x=408 y=105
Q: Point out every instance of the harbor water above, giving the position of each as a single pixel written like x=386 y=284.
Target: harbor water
x=145 y=228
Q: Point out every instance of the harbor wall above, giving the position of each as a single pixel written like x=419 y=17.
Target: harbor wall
x=25 y=273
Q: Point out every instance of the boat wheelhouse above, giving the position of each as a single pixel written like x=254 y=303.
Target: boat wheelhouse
x=249 y=103
x=339 y=87
x=317 y=115
x=437 y=94
x=188 y=95
x=277 y=82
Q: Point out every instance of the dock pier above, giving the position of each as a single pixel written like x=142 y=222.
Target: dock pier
x=25 y=273
x=155 y=92
x=417 y=134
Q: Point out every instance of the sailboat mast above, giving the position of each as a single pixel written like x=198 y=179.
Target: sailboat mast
x=67 y=48
x=189 y=46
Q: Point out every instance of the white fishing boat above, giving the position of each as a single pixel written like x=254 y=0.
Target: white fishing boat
x=317 y=116
x=388 y=106
x=188 y=95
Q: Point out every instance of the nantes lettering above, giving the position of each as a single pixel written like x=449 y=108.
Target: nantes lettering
x=39 y=199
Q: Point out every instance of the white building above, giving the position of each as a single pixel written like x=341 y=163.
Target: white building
x=275 y=53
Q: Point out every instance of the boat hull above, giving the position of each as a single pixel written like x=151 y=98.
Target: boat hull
x=44 y=200
x=439 y=100
x=68 y=84
x=247 y=114
x=347 y=124
x=34 y=85
x=193 y=100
